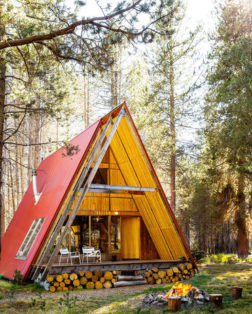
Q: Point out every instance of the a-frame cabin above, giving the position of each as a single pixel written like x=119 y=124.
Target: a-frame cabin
x=106 y=193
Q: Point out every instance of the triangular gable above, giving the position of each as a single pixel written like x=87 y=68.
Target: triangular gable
x=54 y=177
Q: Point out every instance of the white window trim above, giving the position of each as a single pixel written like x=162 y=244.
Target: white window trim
x=34 y=229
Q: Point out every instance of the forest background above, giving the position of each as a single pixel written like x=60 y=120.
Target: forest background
x=188 y=87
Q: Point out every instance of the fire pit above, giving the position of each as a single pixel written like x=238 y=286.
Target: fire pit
x=189 y=296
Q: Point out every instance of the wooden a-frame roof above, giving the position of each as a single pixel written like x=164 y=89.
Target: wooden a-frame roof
x=58 y=175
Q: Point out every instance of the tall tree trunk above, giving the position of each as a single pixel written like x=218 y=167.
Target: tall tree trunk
x=172 y=131
x=2 y=104
x=30 y=149
x=86 y=99
x=240 y=220
x=36 y=137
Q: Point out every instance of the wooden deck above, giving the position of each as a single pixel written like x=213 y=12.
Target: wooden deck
x=127 y=265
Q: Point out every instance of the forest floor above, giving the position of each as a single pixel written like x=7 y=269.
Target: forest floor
x=215 y=278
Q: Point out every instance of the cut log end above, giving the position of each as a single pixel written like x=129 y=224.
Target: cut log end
x=174 y=304
x=216 y=300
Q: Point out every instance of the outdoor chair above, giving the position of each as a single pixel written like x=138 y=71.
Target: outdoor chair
x=90 y=252
x=70 y=255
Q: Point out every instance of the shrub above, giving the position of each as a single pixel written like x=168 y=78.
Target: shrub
x=198 y=254
x=213 y=258
x=232 y=259
x=205 y=260
x=222 y=258
x=17 y=276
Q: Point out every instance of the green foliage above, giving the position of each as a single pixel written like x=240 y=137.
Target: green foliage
x=17 y=277
x=221 y=258
x=198 y=254
x=68 y=301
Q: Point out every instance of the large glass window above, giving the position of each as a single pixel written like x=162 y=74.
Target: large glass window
x=30 y=238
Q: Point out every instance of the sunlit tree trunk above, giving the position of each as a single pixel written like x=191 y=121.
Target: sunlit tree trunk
x=172 y=131
x=2 y=104
x=86 y=99
x=240 y=220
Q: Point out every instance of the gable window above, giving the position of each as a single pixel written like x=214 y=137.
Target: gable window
x=30 y=238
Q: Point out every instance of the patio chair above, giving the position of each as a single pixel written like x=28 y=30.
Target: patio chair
x=64 y=253
x=70 y=255
x=90 y=252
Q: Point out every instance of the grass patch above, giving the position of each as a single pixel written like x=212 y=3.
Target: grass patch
x=215 y=278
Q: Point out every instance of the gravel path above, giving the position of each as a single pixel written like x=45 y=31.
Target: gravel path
x=86 y=294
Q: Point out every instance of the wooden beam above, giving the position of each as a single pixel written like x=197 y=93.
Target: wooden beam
x=109 y=235
x=113 y=192
x=77 y=187
x=87 y=184
x=107 y=188
x=89 y=231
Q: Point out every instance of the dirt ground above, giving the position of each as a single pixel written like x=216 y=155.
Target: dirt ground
x=85 y=294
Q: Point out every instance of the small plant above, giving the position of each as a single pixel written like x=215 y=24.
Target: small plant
x=33 y=302
x=198 y=254
x=213 y=258
x=17 y=277
x=222 y=258
x=11 y=293
x=42 y=304
x=205 y=260
x=68 y=301
x=37 y=287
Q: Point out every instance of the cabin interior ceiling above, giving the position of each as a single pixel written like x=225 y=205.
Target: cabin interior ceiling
x=127 y=166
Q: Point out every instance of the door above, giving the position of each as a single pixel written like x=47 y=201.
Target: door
x=130 y=237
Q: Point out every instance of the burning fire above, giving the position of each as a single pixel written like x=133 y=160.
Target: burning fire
x=179 y=289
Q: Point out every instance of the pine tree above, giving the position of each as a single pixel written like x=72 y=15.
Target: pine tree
x=229 y=111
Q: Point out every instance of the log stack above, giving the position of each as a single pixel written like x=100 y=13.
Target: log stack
x=177 y=273
x=83 y=280
x=109 y=279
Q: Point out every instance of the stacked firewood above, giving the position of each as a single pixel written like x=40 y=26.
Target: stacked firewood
x=85 y=279
x=173 y=274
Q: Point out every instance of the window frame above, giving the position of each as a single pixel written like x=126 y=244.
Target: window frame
x=30 y=238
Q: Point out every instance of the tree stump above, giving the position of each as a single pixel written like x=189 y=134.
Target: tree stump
x=216 y=300
x=174 y=304
x=236 y=292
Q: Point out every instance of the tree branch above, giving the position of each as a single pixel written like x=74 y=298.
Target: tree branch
x=64 y=31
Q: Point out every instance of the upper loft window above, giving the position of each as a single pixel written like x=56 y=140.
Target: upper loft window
x=101 y=176
x=30 y=238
